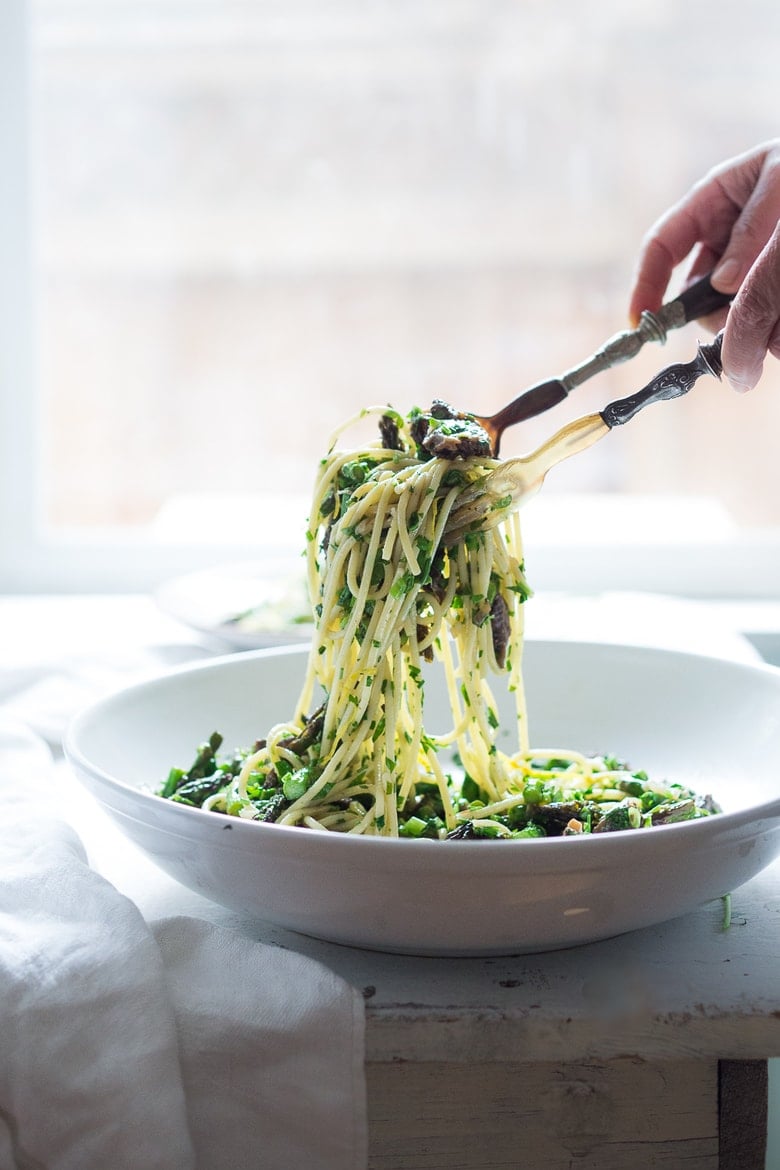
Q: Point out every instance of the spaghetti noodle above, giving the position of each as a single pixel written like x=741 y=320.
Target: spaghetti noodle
x=391 y=592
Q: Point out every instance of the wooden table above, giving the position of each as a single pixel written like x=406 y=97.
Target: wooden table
x=647 y=1050
x=643 y=1051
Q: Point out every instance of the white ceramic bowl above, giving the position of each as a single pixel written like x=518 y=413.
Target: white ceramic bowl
x=710 y=724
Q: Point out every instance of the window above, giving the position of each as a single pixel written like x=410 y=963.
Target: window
x=233 y=224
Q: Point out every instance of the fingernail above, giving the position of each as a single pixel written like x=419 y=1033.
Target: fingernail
x=740 y=387
x=726 y=275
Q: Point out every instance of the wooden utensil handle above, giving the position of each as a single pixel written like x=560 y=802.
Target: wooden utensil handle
x=701 y=299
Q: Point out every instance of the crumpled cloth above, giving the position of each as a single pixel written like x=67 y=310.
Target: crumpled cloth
x=180 y=1045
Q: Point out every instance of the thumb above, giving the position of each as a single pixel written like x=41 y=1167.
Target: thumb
x=752 y=324
x=752 y=230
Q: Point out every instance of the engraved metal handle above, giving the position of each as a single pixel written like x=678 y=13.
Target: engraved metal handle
x=670 y=383
x=697 y=301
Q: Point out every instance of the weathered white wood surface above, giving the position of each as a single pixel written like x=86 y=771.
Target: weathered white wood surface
x=623 y=1114
x=681 y=990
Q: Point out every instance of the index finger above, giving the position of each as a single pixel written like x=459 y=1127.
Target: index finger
x=704 y=216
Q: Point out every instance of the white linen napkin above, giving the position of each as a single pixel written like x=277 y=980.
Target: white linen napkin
x=184 y=1046
x=271 y=1049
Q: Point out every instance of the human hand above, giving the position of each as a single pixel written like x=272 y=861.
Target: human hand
x=732 y=218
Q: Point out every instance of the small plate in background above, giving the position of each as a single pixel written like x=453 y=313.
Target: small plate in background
x=248 y=605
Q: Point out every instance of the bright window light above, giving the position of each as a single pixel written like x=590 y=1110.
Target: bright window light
x=232 y=225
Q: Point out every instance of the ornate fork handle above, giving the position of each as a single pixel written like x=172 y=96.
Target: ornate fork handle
x=670 y=383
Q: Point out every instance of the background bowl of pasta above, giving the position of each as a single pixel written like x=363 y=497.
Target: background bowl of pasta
x=709 y=724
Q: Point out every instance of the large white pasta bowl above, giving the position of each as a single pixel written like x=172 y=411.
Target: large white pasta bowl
x=710 y=724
